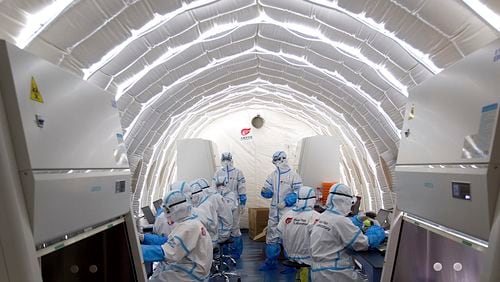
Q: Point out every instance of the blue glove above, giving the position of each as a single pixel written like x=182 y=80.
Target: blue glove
x=153 y=239
x=376 y=235
x=357 y=221
x=266 y=193
x=243 y=199
x=290 y=199
x=152 y=253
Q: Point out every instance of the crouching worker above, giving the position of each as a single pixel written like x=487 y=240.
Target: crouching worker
x=188 y=251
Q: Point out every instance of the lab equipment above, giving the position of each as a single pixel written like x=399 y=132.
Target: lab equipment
x=448 y=177
x=148 y=214
x=383 y=218
x=71 y=167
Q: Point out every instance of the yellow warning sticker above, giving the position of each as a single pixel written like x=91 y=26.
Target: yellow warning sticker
x=35 y=93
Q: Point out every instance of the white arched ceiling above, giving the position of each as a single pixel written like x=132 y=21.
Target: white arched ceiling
x=347 y=63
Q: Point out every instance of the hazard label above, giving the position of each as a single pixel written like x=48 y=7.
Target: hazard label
x=35 y=93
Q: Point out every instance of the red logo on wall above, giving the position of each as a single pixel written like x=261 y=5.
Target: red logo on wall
x=245 y=131
x=288 y=220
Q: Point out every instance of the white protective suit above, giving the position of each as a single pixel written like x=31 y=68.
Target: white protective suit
x=281 y=182
x=188 y=252
x=229 y=204
x=163 y=223
x=210 y=209
x=296 y=225
x=235 y=182
x=332 y=234
x=225 y=217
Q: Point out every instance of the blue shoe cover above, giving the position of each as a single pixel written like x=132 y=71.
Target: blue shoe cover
x=268 y=265
x=288 y=270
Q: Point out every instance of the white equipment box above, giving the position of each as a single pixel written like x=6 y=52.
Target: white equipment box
x=196 y=159
x=319 y=160
x=68 y=143
x=448 y=164
x=447 y=177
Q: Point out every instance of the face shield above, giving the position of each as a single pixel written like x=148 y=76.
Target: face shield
x=176 y=206
x=279 y=160
x=340 y=199
x=306 y=198
x=226 y=160
x=196 y=193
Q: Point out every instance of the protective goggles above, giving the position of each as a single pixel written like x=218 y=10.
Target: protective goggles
x=167 y=208
x=199 y=191
x=278 y=158
x=226 y=158
x=341 y=194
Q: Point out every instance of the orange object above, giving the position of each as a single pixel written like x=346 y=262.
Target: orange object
x=325 y=190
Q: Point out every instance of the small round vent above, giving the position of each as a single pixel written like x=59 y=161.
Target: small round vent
x=257 y=121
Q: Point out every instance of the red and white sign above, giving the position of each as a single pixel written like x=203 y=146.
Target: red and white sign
x=245 y=131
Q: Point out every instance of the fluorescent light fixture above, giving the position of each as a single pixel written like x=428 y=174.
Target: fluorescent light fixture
x=484 y=12
x=38 y=21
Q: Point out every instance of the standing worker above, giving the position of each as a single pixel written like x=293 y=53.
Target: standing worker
x=334 y=233
x=235 y=182
x=282 y=187
x=230 y=206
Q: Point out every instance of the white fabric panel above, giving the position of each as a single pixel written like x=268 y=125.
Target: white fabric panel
x=395 y=35
x=253 y=157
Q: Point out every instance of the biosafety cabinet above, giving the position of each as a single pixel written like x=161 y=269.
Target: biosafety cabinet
x=447 y=176
x=65 y=195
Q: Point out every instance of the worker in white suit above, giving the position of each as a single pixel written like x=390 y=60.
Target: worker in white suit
x=295 y=227
x=282 y=187
x=188 y=251
x=334 y=233
x=235 y=182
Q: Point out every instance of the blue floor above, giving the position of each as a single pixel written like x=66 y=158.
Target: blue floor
x=248 y=265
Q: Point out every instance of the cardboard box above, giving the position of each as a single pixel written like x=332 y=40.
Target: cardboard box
x=257 y=221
